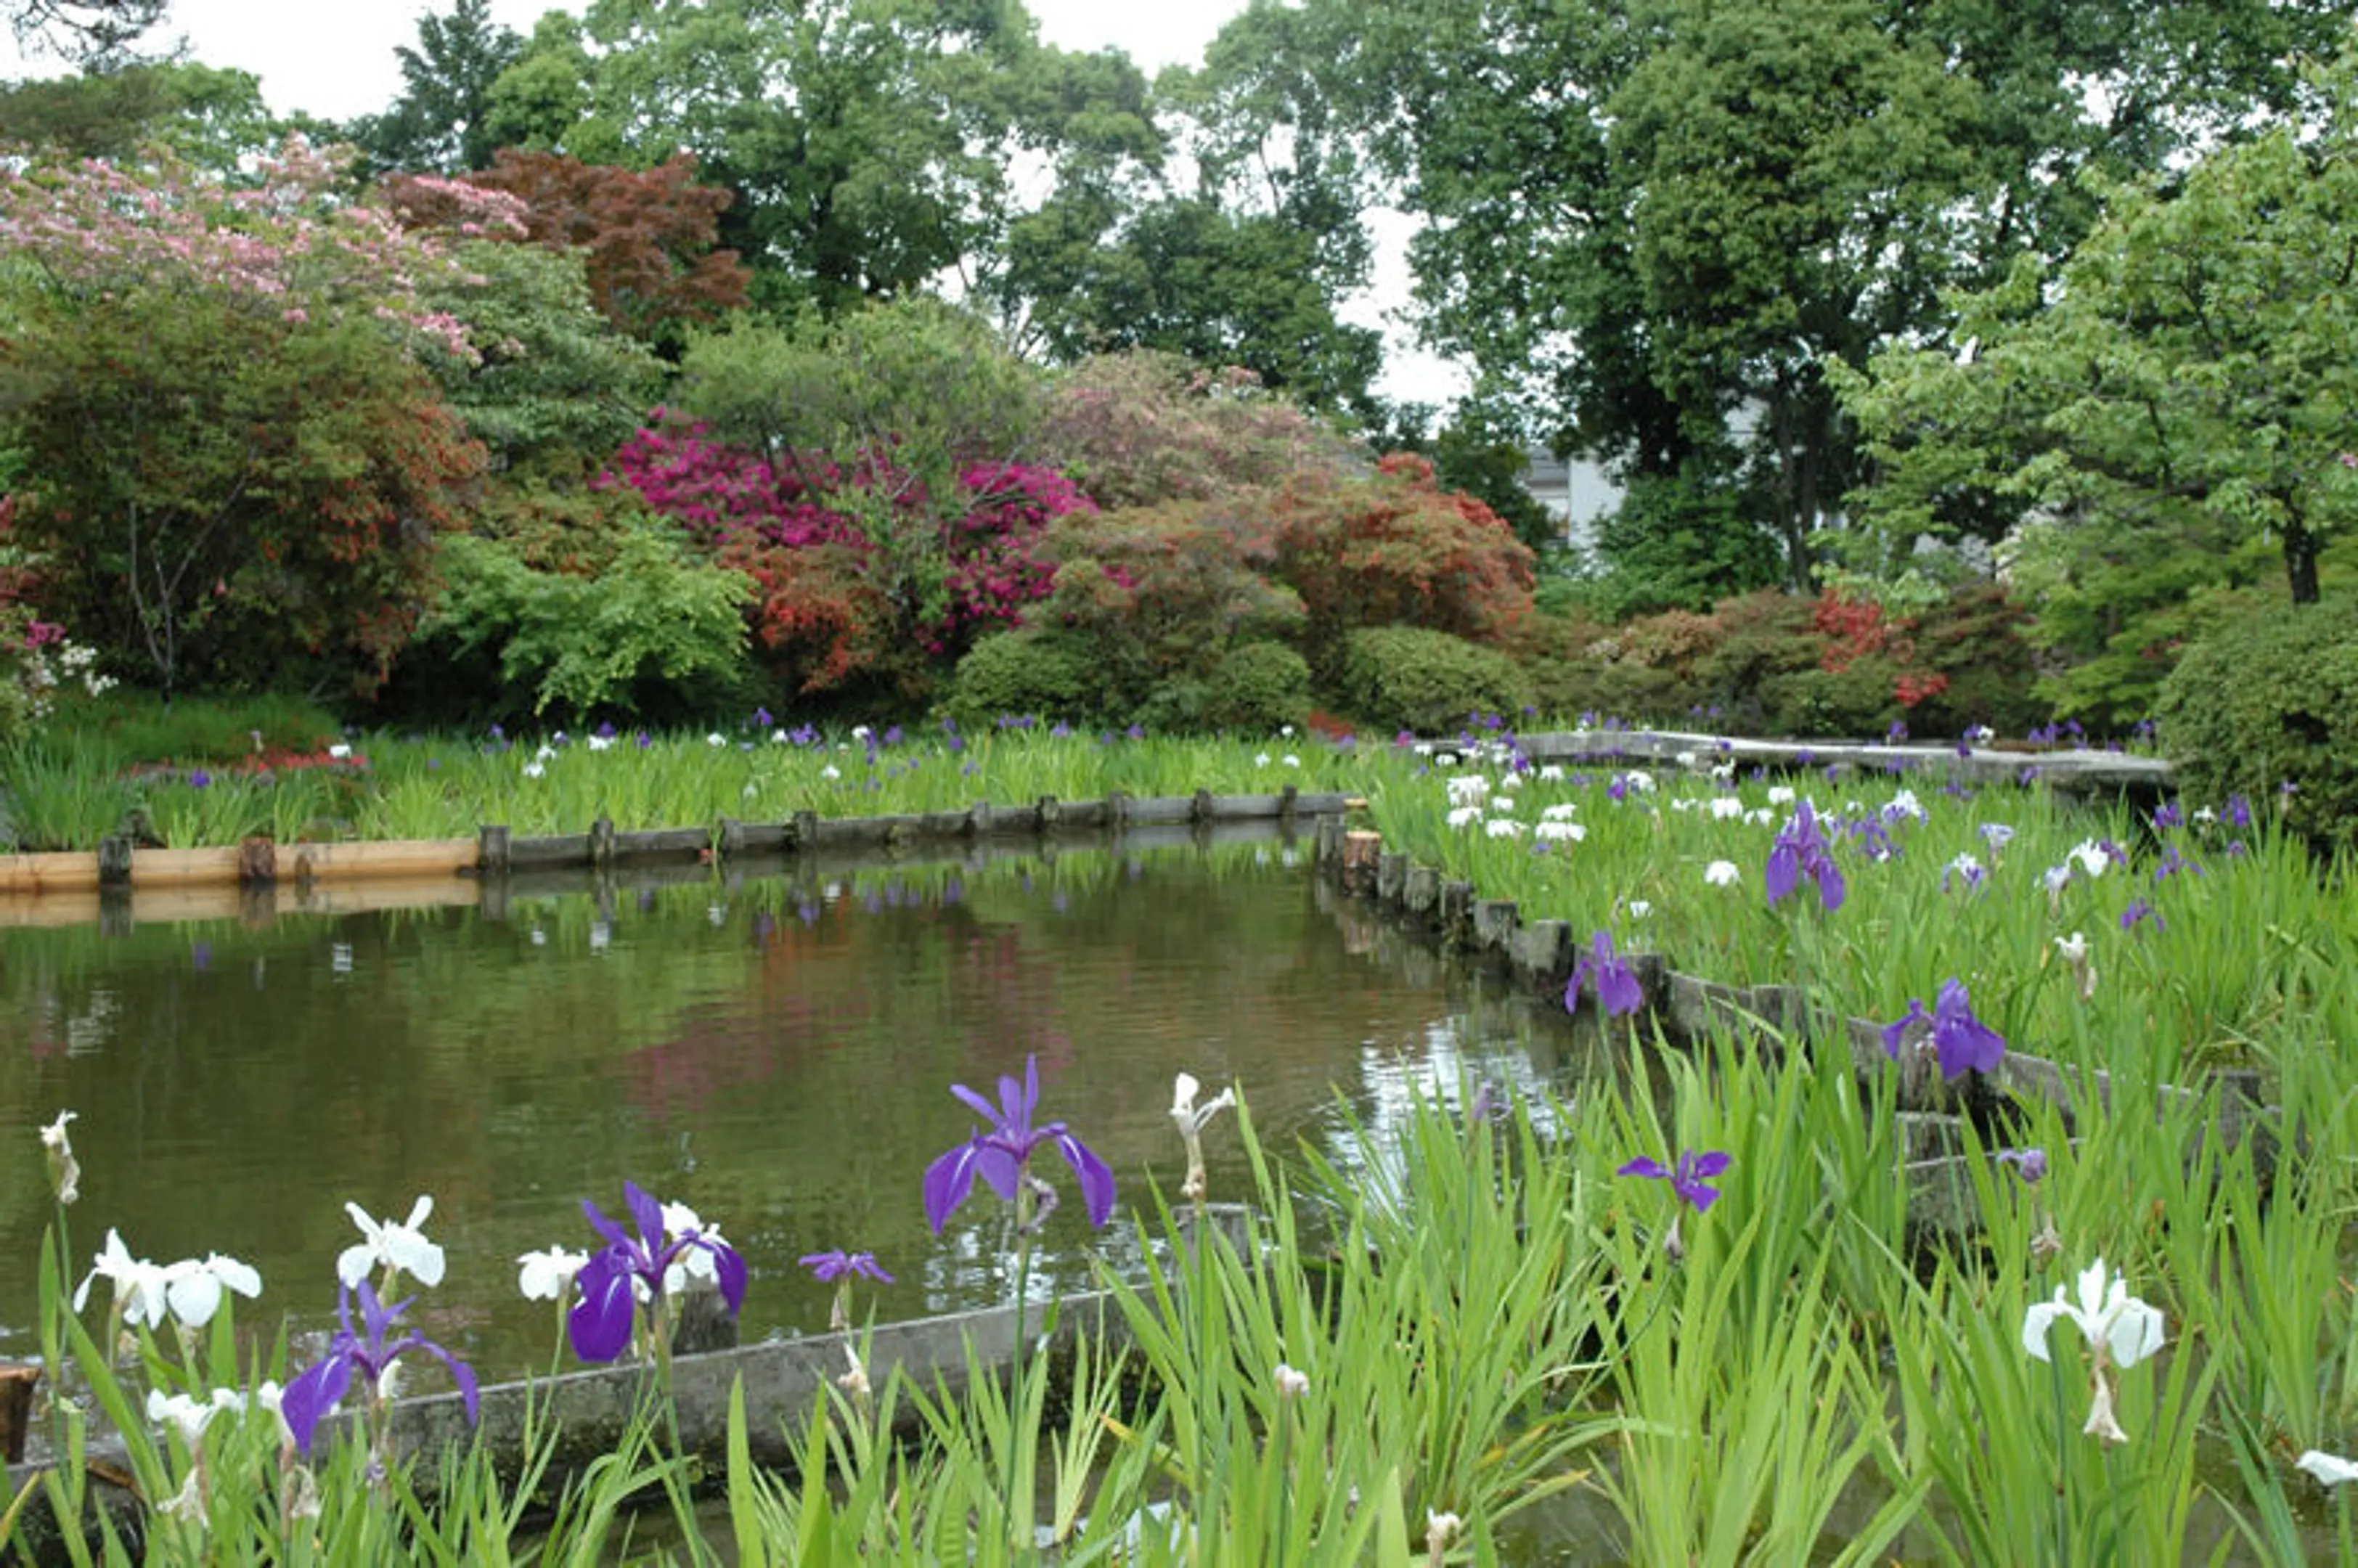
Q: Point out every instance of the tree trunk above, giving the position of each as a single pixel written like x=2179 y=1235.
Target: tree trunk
x=2300 y=563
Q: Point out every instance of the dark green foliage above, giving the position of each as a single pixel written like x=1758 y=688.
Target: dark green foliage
x=557 y=387
x=1258 y=688
x=259 y=505
x=2271 y=700
x=1027 y=672
x=1680 y=542
x=210 y=117
x=442 y=120
x=1406 y=677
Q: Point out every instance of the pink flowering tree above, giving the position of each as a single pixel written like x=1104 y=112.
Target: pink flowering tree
x=236 y=457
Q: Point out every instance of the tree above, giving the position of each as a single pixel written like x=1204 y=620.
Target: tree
x=1661 y=220
x=870 y=144
x=442 y=120
x=214 y=119
x=1187 y=277
x=646 y=235
x=1247 y=266
x=553 y=388
x=2173 y=395
x=236 y=459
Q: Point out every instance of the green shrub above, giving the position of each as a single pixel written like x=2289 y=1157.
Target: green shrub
x=1026 y=672
x=1258 y=688
x=644 y=631
x=2271 y=700
x=1406 y=677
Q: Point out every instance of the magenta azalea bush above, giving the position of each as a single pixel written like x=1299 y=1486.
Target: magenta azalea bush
x=829 y=592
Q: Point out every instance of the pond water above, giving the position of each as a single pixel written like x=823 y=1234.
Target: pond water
x=773 y=1050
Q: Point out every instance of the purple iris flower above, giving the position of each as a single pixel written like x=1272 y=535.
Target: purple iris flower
x=1689 y=1180
x=1964 y=1043
x=1897 y=732
x=2030 y=1164
x=2239 y=811
x=762 y=720
x=199 y=779
x=1619 y=788
x=367 y=1351
x=828 y=1267
x=1609 y=976
x=1801 y=850
x=1002 y=1156
x=610 y=1282
x=2168 y=816
x=2138 y=912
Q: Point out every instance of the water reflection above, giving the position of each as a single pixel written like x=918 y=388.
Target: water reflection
x=774 y=1051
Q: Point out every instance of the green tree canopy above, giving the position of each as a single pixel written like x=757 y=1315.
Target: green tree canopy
x=442 y=120
x=1660 y=222
x=2162 y=411
x=214 y=119
x=874 y=145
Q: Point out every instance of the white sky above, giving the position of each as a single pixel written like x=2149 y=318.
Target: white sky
x=335 y=59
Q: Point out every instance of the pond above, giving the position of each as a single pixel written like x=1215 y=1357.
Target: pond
x=773 y=1050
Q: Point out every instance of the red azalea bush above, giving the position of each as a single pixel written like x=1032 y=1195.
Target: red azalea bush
x=1394 y=548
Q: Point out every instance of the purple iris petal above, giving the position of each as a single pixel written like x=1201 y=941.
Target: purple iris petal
x=1963 y=1042
x=1609 y=976
x=1689 y=1180
x=2030 y=1164
x=828 y=1267
x=600 y=1321
x=1801 y=851
x=367 y=1351
x=1002 y=1155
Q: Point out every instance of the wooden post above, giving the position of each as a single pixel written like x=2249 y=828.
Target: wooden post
x=1327 y=850
x=1201 y=811
x=1118 y=809
x=601 y=844
x=491 y=849
x=17 y=1380
x=1361 y=849
x=257 y=860
x=1288 y=801
x=731 y=841
x=803 y=831
x=979 y=819
x=114 y=861
x=1052 y=813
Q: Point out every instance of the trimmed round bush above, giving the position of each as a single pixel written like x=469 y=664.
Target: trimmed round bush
x=1406 y=677
x=1258 y=688
x=1025 y=672
x=2268 y=701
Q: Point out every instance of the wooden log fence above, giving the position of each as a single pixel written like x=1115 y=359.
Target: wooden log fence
x=75 y=888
